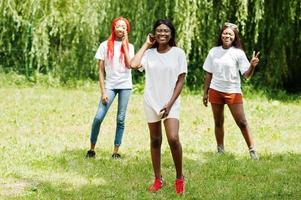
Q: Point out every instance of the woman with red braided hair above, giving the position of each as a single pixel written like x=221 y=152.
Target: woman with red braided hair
x=115 y=78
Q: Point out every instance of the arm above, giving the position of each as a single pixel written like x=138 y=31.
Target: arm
x=125 y=43
x=101 y=74
x=207 y=82
x=135 y=63
x=253 y=64
x=177 y=90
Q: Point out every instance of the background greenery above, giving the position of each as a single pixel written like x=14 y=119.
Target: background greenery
x=45 y=128
x=59 y=37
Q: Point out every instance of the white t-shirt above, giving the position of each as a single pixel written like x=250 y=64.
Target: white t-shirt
x=161 y=74
x=225 y=64
x=117 y=76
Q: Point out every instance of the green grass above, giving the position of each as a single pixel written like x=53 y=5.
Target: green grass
x=45 y=131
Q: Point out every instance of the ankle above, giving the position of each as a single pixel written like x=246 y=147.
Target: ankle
x=252 y=148
x=220 y=149
x=180 y=177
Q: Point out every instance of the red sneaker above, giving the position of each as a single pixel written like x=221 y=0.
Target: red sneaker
x=180 y=185
x=158 y=183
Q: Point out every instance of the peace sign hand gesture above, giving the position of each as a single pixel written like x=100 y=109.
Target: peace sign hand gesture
x=255 y=59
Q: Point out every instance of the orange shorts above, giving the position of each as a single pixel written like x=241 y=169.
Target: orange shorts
x=217 y=97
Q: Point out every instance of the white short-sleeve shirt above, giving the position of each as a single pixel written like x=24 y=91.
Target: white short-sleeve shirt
x=161 y=74
x=225 y=65
x=117 y=76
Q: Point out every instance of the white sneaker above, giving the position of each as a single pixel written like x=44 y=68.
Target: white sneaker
x=220 y=149
x=253 y=154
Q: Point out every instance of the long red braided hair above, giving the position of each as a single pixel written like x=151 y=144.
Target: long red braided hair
x=111 y=39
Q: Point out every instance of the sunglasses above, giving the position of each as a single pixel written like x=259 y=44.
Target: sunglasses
x=120 y=27
x=230 y=25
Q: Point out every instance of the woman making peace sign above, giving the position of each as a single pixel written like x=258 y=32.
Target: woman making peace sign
x=222 y=83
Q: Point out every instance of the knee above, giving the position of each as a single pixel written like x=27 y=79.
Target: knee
x=242 y=124
x=120 y=120
x=97 y=120
x=174 y=142
x=219 y=123
x=156 y=142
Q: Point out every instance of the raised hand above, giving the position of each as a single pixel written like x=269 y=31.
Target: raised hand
x=150 y=40
x=255 y=59
x=125 y=38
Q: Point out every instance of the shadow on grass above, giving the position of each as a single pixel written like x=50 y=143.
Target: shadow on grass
x=210 y=176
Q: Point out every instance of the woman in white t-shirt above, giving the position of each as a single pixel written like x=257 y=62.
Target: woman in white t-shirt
x=223 y=66
x=165 y=70
x=114 y=79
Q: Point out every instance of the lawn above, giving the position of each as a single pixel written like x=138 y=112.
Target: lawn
x=45 y=132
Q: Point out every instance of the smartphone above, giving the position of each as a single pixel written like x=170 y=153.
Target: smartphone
x=151 y=37
x=162 y=113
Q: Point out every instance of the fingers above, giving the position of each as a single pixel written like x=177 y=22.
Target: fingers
x=254 y=61
x=205 y=102
x=125 y=37
x=105 y=100
x=255 y=55
x=150 y=38
x=164 y=112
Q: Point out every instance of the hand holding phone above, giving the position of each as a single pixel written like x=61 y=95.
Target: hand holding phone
x=151 y=37
x=150 y=40
x=161 y=114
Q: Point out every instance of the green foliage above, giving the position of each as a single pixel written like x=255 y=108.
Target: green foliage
x=60 y=37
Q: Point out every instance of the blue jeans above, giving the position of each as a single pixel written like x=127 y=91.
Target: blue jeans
x=123 y=99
